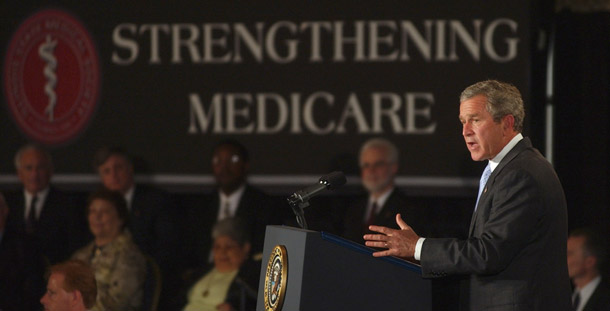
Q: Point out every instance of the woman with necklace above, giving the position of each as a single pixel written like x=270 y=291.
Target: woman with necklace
x=232 y=277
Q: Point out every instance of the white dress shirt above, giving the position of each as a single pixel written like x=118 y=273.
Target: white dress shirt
x=40 y=199
x=229 y=203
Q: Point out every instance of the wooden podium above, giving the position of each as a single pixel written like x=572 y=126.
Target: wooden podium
x=327 y=272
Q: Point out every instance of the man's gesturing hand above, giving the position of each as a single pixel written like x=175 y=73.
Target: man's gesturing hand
x=399 y=243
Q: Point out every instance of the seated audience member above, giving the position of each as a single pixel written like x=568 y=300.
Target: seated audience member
x=234 y=197
x=150 y=220
x=71 y=287
x=52 y=217
x=586 y=255
x=118 y=264
x=21 y=268
x=152 y=215
x=232 y=276
x=378 y=168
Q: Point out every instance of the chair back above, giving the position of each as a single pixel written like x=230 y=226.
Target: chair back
x=152 y=285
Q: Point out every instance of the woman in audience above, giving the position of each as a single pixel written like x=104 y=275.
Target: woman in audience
x=231 y=278
x=119 y=266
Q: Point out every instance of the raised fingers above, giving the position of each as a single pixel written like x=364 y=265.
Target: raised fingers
x=380 y=229
x=401 y=223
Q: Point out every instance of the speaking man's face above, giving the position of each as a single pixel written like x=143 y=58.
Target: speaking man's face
x=484 y=137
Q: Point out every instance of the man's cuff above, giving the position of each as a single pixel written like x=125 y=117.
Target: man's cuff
x=418 y=246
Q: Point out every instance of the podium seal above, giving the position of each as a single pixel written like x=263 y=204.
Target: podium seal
x=275 y=279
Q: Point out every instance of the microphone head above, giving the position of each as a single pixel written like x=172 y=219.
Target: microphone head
x=333 y=180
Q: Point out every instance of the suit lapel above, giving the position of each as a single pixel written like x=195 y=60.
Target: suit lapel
x=19 y=211
x=46 y=211
x=483 y=200
x=386 y=210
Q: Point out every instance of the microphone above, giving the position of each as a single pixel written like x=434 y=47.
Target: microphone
x=331 y=181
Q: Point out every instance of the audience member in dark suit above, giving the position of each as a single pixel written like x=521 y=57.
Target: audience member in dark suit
x=378 y=169
x=232 y=278
x=233 y=198
x=586 y=254
x=152 y=220
x=379 y=159
x=40 y=210
x=21 y=268
x=514 y=255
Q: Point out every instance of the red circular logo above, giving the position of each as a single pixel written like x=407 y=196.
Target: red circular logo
x=51 y=77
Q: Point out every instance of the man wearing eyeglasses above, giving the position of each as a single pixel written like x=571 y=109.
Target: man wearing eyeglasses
x=233 y=197
x=378 y=169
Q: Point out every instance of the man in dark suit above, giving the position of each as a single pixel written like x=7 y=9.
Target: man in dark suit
x=514 y=253
x=234 y=197
x=47 y=214
x=21 y=268
x=586 y=254
x=378 y=168
x=151 y=221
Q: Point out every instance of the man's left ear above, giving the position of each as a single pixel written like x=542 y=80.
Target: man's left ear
x=76 y=297
x=508 y=122
x=591 y=261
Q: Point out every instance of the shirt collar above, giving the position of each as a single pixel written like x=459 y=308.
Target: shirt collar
x=41 y=196
x=587 y=291
x=234 y=196
x=493 y=163
x=381 y=199
x=129 y=196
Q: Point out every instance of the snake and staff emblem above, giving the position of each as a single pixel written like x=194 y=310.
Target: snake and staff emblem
x=51 y=77
x=45 y=51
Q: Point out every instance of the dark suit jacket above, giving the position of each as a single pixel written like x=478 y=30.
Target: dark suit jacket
x=255 y=208
x=60 y=229
x=600 y=300
x=21 y=273
x=413 y=213
x=152 y=225
x=516 y=250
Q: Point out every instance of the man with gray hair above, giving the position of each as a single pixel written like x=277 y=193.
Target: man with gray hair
x=515 y=252
x=382 y=201
x=42 y=211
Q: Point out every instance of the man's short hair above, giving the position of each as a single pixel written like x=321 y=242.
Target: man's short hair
x=77 y=276
x=102 y=155
x=32 y=146
x=242 y=152
x=384 y=144
x=502 y=99
x=593 y=244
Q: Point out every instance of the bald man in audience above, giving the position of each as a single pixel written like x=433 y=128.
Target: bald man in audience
x=21 y=268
